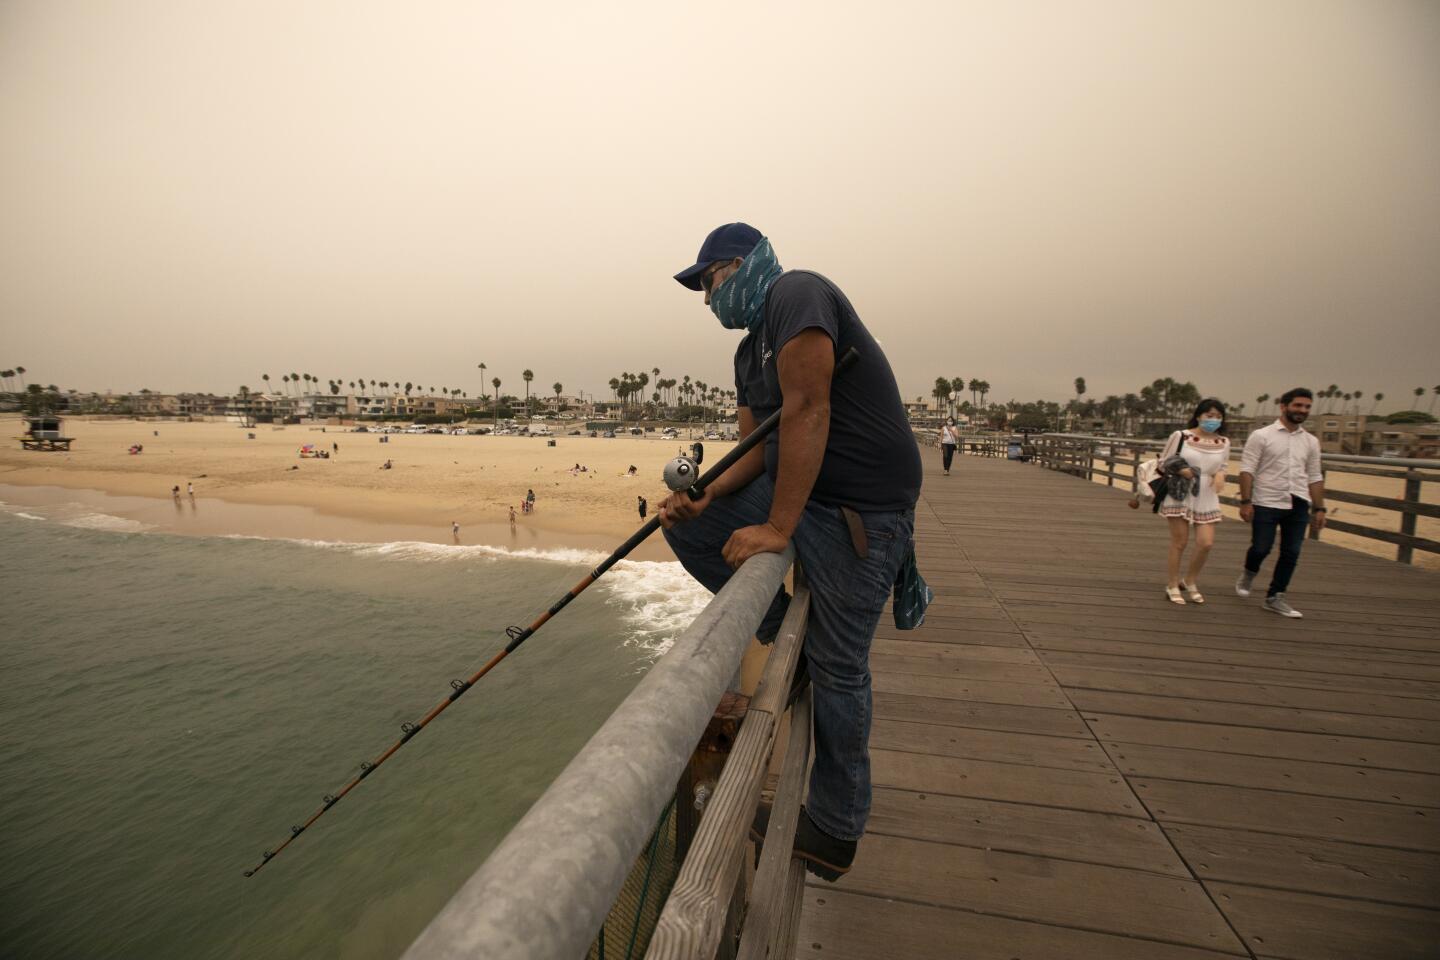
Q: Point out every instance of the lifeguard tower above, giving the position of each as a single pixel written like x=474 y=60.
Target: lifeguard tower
x=44 y=433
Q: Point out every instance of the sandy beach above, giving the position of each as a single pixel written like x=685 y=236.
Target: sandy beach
x=435 y=479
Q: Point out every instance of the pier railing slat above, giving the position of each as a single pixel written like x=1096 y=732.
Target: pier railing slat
x=693 y=922
x=763 y=925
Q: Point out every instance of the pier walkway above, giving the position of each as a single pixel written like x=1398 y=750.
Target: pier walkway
x=1067 y=766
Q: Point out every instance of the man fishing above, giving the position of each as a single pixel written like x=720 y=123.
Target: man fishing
x=839 y=480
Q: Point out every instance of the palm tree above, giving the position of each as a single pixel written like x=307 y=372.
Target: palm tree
x=19 y=372
x=1378 y=398
x=266 y=378
x=984 y=390
x=1419 y=392
x=496 y=384
x=527 y=376
x=1433 y=395
x=556 y=386
x=940 y=391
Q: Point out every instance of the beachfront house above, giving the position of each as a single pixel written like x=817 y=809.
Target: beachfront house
x=1420 y=440
x=1340 y=432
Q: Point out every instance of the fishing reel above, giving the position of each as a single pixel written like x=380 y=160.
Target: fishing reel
x=682 y=472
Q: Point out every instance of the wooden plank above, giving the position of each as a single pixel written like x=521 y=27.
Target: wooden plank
x=838 y=925
x=960 y=669
x=1046 y=721
x=1352 y=644
x=957 y=776
x=693 y=920
x=1298 y=657
x=1257 y=742
x=1251 y=715
x=1291 y=814
x=984 y=691
x=1309 y=865
x=1271 y=773
x=1061 y=834
x=1232 y=691
x=1224 y=671
x=989 y=636
x=1023 y=887
x=1023 y=748
x=1303 y=926
x=762 y=920
x=918 y=645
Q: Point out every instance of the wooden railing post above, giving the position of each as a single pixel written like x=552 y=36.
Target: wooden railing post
x=1405 y=552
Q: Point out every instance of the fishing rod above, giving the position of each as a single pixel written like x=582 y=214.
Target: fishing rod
x=680 y=474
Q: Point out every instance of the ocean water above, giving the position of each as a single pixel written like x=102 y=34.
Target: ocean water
x=170 y=705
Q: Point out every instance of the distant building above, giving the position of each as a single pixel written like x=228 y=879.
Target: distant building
x=1419 y=440
x=1340 y=433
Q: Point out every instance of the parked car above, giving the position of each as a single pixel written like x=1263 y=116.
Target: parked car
x=609 y=434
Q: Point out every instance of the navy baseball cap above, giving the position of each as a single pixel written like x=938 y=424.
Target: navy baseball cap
x=724 y=243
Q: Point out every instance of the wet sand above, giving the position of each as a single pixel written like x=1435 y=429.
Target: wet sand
x=248 y=487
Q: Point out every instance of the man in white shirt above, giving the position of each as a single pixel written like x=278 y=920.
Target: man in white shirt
x=1281 y=487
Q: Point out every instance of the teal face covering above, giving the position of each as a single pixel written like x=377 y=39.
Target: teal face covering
x=739 y=302
x=1210 y=426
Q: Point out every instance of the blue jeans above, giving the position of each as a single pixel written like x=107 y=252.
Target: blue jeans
x=847 y=597
x=1292 y=524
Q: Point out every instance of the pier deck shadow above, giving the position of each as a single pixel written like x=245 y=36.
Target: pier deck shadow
x=1065 y=765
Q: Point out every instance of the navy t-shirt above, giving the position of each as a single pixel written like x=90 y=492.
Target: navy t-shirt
x=871 y=459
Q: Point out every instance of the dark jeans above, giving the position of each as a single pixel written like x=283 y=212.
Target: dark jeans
x=847 y=597
x=1292 y=524
x=947 y=451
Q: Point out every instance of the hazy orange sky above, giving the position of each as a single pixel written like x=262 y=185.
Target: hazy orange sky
x=1242 y=194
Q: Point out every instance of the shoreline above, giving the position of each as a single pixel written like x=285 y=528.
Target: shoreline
x=221 y=517
x=259 y=486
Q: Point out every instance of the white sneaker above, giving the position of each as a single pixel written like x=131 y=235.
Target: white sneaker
x=1277 y=604
x=1242 y=583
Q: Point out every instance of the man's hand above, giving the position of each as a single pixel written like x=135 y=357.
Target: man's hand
x=1317 y=521
x=1247 y=512
x=678 y=507
x=748 y=541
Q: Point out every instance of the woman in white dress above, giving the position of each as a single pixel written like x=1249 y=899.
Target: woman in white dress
x=1205 y=449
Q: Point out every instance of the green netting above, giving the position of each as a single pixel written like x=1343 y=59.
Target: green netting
x=627 y=930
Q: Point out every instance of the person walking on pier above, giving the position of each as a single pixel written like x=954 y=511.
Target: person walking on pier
x=839 y=481
x=1193 y=499
x=949 y=437
x=1281 y=488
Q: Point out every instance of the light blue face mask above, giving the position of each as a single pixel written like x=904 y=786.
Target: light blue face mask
x=1210 y=425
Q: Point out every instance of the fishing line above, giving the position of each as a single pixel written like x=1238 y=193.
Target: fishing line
x=678 y=476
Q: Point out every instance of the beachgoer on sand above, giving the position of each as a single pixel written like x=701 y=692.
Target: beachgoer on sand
x=642 y=506
x=190 y=489
x=851 y=474
x=512 y=516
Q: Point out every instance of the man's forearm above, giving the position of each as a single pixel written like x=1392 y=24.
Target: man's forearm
x=1247 y=485
x=1317 y=494
x=804 y=430
x=741 y=472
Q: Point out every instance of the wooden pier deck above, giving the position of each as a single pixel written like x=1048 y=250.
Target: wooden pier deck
x=1067 y=766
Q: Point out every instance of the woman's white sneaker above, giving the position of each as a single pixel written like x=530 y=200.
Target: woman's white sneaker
x=1277 y=604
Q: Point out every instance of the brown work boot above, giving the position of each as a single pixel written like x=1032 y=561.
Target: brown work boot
x=824 y=855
